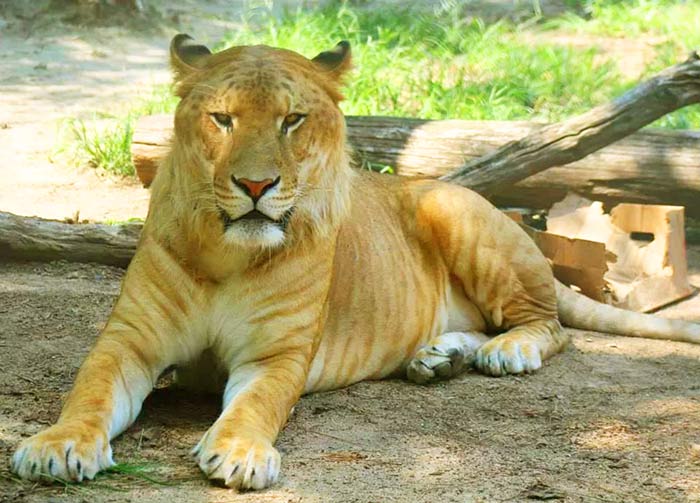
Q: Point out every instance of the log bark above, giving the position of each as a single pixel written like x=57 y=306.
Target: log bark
x=28 y=238
x=650 y=166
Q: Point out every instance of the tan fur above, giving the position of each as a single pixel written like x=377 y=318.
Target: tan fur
x=362 y=276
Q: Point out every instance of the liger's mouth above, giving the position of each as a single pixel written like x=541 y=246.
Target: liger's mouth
x=254 y=216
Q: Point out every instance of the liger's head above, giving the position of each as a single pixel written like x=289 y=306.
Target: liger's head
x=265 y=127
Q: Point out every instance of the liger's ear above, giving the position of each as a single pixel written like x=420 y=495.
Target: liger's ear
x=335 y=62
x=186 y=56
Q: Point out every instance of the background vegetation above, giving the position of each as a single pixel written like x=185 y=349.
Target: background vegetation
x=450 y=64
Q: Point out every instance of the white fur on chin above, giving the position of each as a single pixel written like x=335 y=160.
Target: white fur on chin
x=254 y=234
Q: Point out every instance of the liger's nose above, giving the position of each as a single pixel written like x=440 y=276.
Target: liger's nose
x=255 y=189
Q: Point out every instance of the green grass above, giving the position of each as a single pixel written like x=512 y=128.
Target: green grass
x=128 y=221
x=143 y=472
x=107 y=149
x=676 y=19
x=668 y=27
x=450 y=65
x=120 y=478
x=104 y=141
x=442 y=66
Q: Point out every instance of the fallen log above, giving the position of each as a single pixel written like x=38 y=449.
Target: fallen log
x=650 y=166
x=29 y=238
x=541 y=147
x=658 y=167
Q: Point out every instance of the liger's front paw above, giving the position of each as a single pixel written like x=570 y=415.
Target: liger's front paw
x=446 y=356
x=238 y=462
x=432 y=363
x=67 y=451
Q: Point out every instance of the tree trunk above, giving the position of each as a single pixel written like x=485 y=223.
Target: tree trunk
x=650 y=166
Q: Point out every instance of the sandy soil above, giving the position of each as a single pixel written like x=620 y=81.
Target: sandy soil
x=51 y=70
x=611 y=419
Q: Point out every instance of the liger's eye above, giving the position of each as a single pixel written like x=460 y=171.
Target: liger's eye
x=223 y=121
x=292 y=121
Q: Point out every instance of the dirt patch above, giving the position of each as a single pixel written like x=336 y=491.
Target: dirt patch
x=51 y=69
x=611 y=419
x=631 y=56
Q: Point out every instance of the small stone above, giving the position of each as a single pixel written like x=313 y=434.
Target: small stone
x=695 y=452
x=619 y=464
x=612 y=456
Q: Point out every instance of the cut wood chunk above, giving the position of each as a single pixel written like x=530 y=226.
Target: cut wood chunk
x=150 y=144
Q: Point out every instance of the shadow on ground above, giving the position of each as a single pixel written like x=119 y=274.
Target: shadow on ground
x=611 y=419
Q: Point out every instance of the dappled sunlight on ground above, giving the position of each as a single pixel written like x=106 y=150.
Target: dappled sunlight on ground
x=597 y=422
x=608 y=435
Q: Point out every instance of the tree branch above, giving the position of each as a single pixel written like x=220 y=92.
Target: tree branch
x=575 y=138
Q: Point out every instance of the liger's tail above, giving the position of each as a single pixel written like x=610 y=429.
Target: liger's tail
x=578 y=311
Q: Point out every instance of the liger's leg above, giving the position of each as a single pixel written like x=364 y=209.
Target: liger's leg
x=501 y=271
x=146 y=332
x=238 y=449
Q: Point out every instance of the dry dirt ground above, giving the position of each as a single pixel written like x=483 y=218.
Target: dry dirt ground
x=611 y=419
x=51 y=70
